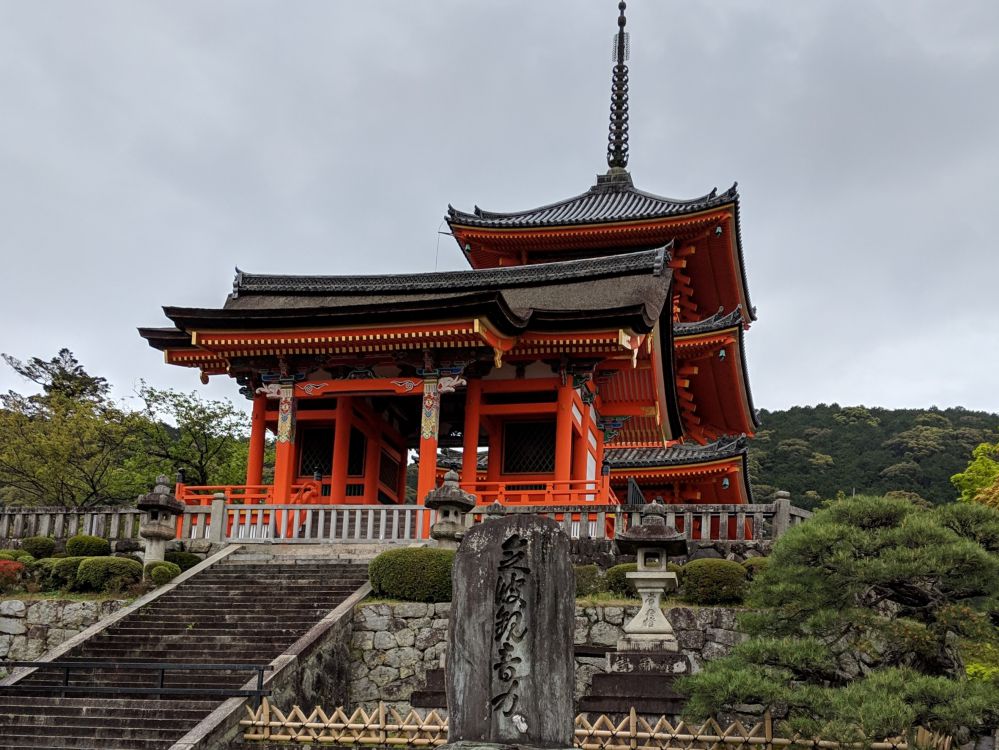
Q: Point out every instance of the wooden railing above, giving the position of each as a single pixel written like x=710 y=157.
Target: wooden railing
x=696 y=522
x=306 y=523
x=542 y=492
x=61 y=523
x=385 y=727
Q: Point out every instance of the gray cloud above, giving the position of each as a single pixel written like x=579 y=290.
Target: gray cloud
x=147 y=148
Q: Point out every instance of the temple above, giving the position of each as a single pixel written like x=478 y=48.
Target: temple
x=593 y=353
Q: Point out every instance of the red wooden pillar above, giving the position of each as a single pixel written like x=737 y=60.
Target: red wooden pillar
x=563 y=439
x=284 y=452
x=470 y=442
x=582 y=443
x=429 y=425
x=372 y=461
x=495 y=432
x=341 y=449
x=258 y=430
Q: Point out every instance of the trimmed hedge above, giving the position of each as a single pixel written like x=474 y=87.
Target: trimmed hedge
x=63 y=572
x=109 y=574
x=712 y=581
x=39 y=546
x=17 y=555
x=589 y=581
x=83 y=545
x=161 y=571
x=415 y=574
x=183 y=560
x=755 y=565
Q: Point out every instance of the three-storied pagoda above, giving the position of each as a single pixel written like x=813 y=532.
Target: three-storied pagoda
x=595 y=348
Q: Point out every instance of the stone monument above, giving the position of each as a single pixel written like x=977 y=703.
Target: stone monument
x=510 y=668
x=160 y=525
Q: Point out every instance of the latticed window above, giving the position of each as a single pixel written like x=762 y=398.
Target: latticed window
x=316 y=452
x=355 y=456
x=529 y=447
x=388 y=471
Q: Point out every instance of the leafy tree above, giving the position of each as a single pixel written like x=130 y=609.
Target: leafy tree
x=206 y=438
x=68 y=445
x=857 y=620
x=980 y=480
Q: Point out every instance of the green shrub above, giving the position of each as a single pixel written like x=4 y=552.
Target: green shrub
x=755 y=565
x=161 y=571
x=712 y=581
x=589 y=580
x=617 y=583
x=108 y=574
x=83 y=545
x=39 y=546
x=63 y=572
x=11 y=575
x=184 y=560
x=416 y=574
x=20 y=555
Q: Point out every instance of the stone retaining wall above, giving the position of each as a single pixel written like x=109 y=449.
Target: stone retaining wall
x=394 y=645
x=29 y=628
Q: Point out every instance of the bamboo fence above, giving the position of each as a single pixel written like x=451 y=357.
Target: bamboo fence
x=385 y=727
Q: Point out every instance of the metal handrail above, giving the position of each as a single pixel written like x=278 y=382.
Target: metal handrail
x=162 y=667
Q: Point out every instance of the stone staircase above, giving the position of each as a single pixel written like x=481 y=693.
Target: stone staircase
x=243 y=610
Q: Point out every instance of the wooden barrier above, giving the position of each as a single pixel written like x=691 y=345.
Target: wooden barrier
x=386 y=727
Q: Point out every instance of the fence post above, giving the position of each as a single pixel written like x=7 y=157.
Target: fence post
x=217 y=524
x=782 y=514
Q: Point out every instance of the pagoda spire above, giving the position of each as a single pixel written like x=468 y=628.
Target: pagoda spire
x=617 y=140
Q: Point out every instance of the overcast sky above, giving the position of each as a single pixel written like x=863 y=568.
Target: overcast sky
x=148 y=148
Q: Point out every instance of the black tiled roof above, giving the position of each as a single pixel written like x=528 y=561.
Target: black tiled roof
x=604 y=202
x=680 y=454
x=587 y=269
x=717 y=322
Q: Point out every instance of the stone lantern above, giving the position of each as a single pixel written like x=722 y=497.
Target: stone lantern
x=451 y=503
x=653 y=542
x=160 y=526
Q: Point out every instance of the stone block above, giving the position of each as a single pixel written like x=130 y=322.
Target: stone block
x=362 y=640
x=681 y=618
x=725 y=618
x=5 y=641
x=199 y=546
x=581 y=633
x=403 y=657
x=704 y=618
x=78 y=614
x=428 y=637
x=12 y=626
x=56 y=636
x=26 y=649
x=442 y=608
x=383 y=675
x=405 y=637
x=411 y=609
x=374 y=658
x=706 y=553
x=12 y=608
x=603 y=634
x=690 y=640
x=713 y=650
x=724 y=637
x=43 y=611
x=384 y=640
x=614 y=615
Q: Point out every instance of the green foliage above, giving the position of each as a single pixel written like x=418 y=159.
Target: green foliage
x=21 y=555
x=108 y=574
x=854 y=623
x=589 y=580
x=617 y=582
x=816 y=452
x=755 y=565
x=183 y=560
x=417 y=574
x=204 y=437
x=39 y=546
x=711 y=581
x=84 y=545
x=977 y=482
x=161 y=572
x=63 y=572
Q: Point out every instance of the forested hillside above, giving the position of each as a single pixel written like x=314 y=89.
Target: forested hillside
x=815 y=452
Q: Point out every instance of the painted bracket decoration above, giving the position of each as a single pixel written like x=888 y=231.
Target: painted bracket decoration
x=430 y=422
x=286 y=414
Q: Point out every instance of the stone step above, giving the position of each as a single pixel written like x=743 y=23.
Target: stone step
x=84 y=740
